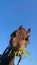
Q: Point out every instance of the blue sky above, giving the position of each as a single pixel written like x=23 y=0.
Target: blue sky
x=14 y=13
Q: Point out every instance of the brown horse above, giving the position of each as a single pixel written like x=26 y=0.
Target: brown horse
x=19 y=40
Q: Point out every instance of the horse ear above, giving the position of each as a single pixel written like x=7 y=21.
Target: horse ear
x=29 y=30
x=20 y=26
x=13 y=34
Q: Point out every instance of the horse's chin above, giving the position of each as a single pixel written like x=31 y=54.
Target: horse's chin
x=21 y=48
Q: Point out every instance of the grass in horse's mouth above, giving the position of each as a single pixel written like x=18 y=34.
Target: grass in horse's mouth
x=22 y=52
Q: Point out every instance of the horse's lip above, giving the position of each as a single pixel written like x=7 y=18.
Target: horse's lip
x=20 y=49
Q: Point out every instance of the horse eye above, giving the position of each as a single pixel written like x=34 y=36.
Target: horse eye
x=26 y=38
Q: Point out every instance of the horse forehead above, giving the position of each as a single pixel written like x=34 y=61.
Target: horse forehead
x=22 y=31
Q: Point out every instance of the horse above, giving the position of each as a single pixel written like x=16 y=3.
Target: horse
x=18 y=40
